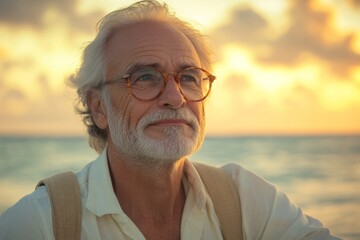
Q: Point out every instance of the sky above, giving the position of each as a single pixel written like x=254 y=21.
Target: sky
x=282 y=66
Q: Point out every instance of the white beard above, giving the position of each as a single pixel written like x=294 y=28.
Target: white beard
x=141 y=149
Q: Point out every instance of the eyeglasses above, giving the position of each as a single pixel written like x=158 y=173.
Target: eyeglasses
x=147 y=83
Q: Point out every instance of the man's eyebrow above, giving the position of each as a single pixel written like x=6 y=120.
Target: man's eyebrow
x=183 y=66
x=136 y=66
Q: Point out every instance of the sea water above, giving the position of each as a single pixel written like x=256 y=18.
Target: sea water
x=321 y=174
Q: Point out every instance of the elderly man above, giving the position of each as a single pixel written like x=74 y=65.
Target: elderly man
x=142 y=86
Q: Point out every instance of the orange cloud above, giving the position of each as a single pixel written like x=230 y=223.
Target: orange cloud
x=311 y=31
x=22 y=13
x=355 y=3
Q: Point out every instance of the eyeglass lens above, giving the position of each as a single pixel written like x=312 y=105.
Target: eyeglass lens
x=147 y=83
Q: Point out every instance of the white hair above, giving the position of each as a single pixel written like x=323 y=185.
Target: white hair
x=93 y=67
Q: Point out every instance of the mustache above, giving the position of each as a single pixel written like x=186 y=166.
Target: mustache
x=164 y=114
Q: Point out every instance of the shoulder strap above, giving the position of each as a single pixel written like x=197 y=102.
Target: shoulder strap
x=65 y=199
x=64 y=194
x=225 y=198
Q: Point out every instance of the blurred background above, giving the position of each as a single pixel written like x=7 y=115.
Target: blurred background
x=286 y=99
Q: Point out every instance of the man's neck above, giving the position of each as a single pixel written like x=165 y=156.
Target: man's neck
x=149 y=196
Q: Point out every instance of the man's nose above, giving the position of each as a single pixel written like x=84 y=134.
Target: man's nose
x=172 y=96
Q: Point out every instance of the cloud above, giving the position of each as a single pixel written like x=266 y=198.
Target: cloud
x=13 y=94
x=237 y=83
x=25 y=13
x=13 y=103
x=21 y=63
x=21 y=12
x=355 y=3
x=301 y=97
x=311 y=32
x=246 y=27
x=51 y=112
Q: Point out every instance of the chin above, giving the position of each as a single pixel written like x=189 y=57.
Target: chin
x=172 y=146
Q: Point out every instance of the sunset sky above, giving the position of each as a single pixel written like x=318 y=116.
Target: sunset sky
x=282 y=67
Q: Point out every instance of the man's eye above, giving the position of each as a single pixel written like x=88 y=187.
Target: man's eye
x=188 y=78
x=145 y=77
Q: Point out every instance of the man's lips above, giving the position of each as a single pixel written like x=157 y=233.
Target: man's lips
x=170 y=122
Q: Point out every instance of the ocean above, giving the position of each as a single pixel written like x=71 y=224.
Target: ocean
x=321 y=174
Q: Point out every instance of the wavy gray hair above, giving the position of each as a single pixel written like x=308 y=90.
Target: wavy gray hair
x=93 y=67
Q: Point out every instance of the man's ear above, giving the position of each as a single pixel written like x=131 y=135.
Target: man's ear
x=97 y=108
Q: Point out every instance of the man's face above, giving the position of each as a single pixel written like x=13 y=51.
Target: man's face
x=167 y=127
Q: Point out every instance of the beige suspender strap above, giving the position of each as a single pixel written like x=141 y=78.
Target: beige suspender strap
x=225 y=198
x=64 y=194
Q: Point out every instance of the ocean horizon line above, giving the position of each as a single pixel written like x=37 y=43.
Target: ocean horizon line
x=229 y=136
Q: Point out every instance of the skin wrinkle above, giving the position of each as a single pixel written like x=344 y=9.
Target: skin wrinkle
x=187 y=61
x=146 y=50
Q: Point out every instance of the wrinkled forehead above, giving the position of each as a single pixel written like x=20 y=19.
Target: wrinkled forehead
x=151 y=39
x=151 y=28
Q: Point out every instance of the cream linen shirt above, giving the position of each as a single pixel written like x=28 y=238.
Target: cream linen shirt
x=267 y=212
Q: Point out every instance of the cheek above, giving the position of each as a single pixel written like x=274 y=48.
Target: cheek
x=130 y=108
x=199 y=112
x=120 y=101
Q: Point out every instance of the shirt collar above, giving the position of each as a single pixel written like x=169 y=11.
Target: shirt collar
x=195 y=184
x=101 y=198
